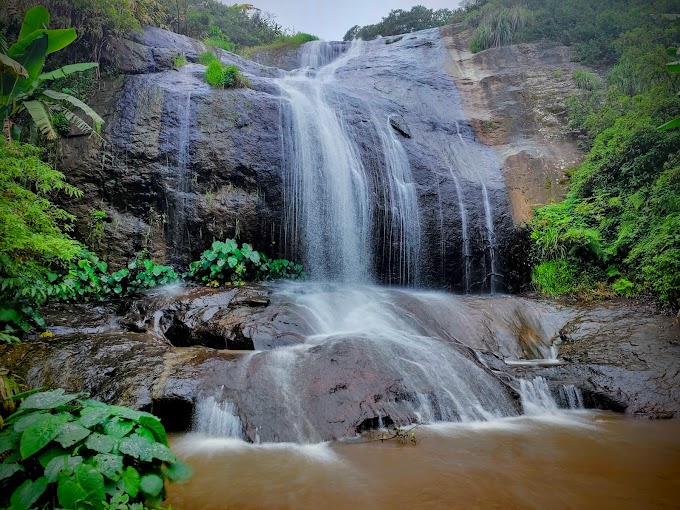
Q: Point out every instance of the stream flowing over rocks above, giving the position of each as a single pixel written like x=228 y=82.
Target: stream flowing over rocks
x=295 y=362
x=364 y=162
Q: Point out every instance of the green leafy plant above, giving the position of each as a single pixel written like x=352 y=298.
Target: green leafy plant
x=226 y=262
x=555 y=277
x=69 y=451
x=179 y=61
x=672 y=67
x=97 y=225
x=214 y=74
x=23 y=82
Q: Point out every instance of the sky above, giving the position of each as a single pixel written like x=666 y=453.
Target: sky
x=330 y=19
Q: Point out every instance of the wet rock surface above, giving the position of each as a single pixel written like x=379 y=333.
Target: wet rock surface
x=622 y=357
x=169 y=349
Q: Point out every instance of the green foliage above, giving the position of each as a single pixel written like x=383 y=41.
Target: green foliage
x=214 y=74
x=80 y=453
x=94 y=20
x=61 y=123
x=586 y=80
x=33 y=233
x=555 y=277
x=179 y=61
x=23 y=88
x=399 y=21
x=280 y=43
x=238 y=25
x=217 y=39
x=206 y=58
x=499 y=27
x=228 y=263
x=672 y=67
x=219 y=76
x=591 y=28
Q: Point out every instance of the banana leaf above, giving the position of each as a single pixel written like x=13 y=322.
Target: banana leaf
x=62 y=72
x=33 y=60
x=98 y=121
x=42 y=118
x=34 y=19
x=11 y=66
x=56 y=40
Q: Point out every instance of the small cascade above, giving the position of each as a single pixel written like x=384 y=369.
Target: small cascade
x=317 y=54
x=217 y=419
x=401 y=209
x=488 y=213
x=571 y=397
x=537 y=398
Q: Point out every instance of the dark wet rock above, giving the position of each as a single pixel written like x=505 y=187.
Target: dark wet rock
x=622 y=357
x=399 y=124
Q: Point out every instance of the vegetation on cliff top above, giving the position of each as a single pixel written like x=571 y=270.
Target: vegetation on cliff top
x=399 y=21
x=229 y=27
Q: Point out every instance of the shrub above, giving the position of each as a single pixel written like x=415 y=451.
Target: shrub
x=214 y=74
x=179 y=61
x=586 y=80
x=228 y=263
x=82 y=453
x=206 y=58
x=281 y=43
x=555 y=277
x=220 y=76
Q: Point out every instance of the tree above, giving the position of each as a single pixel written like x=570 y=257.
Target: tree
x=672 y=67
x=399 y=21
x=23 y=82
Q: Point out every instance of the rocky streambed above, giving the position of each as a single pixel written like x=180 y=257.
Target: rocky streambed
x=292 y=372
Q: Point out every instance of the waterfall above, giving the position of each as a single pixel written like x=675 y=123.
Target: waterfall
x=329 y=191
x=182 y=201
x=537 y=398
x=217 y=419
x=467 y=255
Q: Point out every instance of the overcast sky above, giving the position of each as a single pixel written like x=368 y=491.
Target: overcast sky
x=330 y=19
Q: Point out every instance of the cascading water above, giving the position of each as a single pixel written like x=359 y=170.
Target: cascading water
x=330 y=210
x=537 y=399
x=182 y=197
x=354 y=215
x=320 y=53
x=217 y=419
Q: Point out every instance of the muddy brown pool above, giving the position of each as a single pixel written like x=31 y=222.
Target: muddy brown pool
x=569 y=460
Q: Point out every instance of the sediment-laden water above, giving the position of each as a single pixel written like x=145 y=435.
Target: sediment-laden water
x=567 y=459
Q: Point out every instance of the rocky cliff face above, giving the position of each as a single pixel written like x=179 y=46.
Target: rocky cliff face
x=183 y=163
x=514 y=97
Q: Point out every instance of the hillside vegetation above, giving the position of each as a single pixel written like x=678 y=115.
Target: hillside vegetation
x=618 y=230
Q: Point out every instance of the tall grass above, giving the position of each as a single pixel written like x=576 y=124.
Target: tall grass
x=586 y=80
x=283 y=42
x=498 y=28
